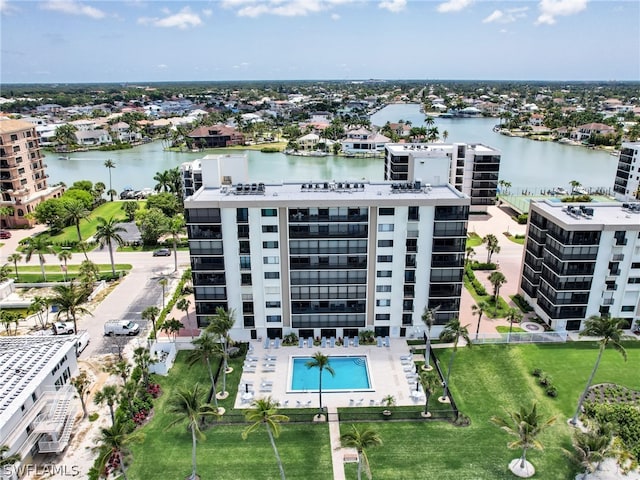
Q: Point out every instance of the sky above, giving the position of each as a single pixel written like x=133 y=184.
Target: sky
x=125 y=41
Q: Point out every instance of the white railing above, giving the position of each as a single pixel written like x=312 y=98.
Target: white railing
x=521 y=337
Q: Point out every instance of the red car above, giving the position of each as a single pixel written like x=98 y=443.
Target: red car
x=4 y=234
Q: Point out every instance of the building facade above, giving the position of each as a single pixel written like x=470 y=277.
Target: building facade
x=23 y=177
x=324 y=259
x=627 y=182
x=582 y=260
x=473 y=168
x=37 y=405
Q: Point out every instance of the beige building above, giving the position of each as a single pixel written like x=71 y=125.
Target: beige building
x=23 y=179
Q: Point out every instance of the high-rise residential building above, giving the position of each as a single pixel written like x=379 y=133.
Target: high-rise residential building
x=582 y=260
x=325 y=259
x=23 y=177
x=627 y=182
x=473 y=168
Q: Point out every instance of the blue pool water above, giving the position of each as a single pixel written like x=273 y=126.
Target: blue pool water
x=351 y=373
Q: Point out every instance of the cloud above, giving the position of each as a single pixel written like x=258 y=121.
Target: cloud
x=184 y=19
x=335 y=16
x=242 y=65
x=283 y=8
x=162 y=66
x=550 y=9
x=454 y=6
x=207 y=12
x=6 y=8
x=393 y=6
x=73 y=8
x=508 y=16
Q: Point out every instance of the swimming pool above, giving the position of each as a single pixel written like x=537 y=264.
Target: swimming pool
x=351 y=374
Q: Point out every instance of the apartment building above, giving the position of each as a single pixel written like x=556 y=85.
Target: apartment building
x=325 y=259
x=627 y=183
x=37 y=405
x=23 y=177
x=473 y=168
x=582 y=260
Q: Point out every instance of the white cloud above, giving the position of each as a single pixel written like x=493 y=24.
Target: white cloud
x=508 y=16
x=394 y=6
x=182 y=20
x=335 y=16
x=162 y=66
x=550 y=9
x=283 y=8
x=73 y=8
x=207 y=12
x=454 y=5
x=6 y=8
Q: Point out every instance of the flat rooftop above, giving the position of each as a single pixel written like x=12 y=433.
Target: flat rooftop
x=605 y=216
x=435 y=149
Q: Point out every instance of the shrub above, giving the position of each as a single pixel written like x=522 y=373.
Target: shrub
x=537 y=372
x=521 y=219
x=93 y=416
x=551 y=391
x=544 y=380
x=482 y=265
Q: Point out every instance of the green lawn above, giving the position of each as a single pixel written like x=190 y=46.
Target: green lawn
x=505 y=329
x=88 y=227
x=32 y=273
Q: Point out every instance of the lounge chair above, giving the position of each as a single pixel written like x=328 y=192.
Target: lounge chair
x=346 y=342
x=266 y=388
x=356 y=341
x=387 y=341
x=264 y=383
x=267 y=342
x=270 y=358
x=252 y=359
x=310 y=342
x=268 y=364
x=308 y=404
x=351 y=402
x=406 y=357
x=268 y=369
x=298 y=403
x=277 y=343
x=360 y=402
x=300 y=342
x=323 y=342
x=285 y=403
x=332 y=342
x=379 y=341
x=249 y=369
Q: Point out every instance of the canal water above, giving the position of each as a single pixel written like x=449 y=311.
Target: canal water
x=527 y=164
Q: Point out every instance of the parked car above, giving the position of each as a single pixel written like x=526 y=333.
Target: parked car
x=162 y=252
x=5 y=234
x=63 y=328
x=121 y=327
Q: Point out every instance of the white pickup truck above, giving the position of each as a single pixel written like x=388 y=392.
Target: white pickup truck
x=63 y=328
x=121 y=327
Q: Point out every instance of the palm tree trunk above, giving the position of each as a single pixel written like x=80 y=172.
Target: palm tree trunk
x=359 y=466
x=122 y=469
x=320 y=391
x=574 y=420
x=427 y=353
x=426 y=403
x=523 y=459
x=113 y=265
x=445 y=393
x=113 y=417
x=78 y=230
x=193 y=452
x=213 y=384
x=478 y=327
x=275 y=450
x=175 y=255
x=44 y=275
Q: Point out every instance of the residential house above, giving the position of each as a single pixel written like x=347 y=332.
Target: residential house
x=91 y=138
x=584 y=132
x=216 y=136
x=362 y=140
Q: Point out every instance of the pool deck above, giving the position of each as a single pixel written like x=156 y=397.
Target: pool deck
x=387 y=373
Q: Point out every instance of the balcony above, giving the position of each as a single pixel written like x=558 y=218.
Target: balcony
x=607 y=301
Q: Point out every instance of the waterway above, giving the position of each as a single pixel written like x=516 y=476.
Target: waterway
x=527 y=164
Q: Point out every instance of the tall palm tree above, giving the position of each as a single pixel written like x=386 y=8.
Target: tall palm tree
x=497 y=279
x=109 y=164
x=264 y=411
x=492 y=245
x=428 y=318
x=429 y=381
x=207 y=347
x=609 y=331
x=221 y=323
x=108 y=233
x=69 y=299
x=189 y=407
x=15 y=258
x=151 y=313
x=361 y=440
x=174 y=228
x=114 y=442
x=39 y=305
x=183 y=305
x=7 y=460
x=164 y=181
x=452 y=332
x=525 y=425
x=38 y=246
x=478 y=309
x=108 y=395
x=74 y=211
x=513 y=315
x=65 y=256
x=321 y=362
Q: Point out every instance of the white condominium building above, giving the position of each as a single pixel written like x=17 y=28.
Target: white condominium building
x=325 y=259
x=627 y=182
x=582 y=260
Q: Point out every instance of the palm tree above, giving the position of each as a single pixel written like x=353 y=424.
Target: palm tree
x=574 y=184
x=265 y=412
x=497 y=279
x=142 y=359
x=38 y=246
x=108 y=395
x=609 y=331
x=174 y=228
x=445 y=135
x=469 y=253
x=15 y=258
x=65 y=256
x=429 y=381
x=525 y=425
x=590 y=448
x=221 y=323
x=428 y=317
x=37 y=307
x=108 y=233
x=361 y=440
x=114 y=442
x=183 y=305
x=478 y=309
x=151 y=313
x=188 y=406
x=164 y=181
x=7 y=460
x=513 y=315
x=82 y=384
x=74 y=211
x=492 y=246
x=452 y=332
x=109 y=164
x=206 y=347
x=164 y=283
x=321 y=362
x=69 y=298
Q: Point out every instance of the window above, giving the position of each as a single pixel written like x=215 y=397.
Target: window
x=269 y=229
x=385 y=243
x=247 y=307
x=242 y=215
x=414 y=213
x=634 y=280
x=385 y=302
x=268 y=275
x=387 y=211
x=635 y=265
x=385 y=258
x=274 y=318
x=383 y=288
x=269 y=212
x=245 y=247
x=272 y=304
x=627 y=308
x=243 y=231
x=245 y=262
x=383 y=316
x=245 y=279
x=385 y=227
x=270 y=244
x=384 y=273
x=249 y=321
x=270 y=260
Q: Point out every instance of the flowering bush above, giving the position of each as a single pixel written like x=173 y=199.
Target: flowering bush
x=154 y=390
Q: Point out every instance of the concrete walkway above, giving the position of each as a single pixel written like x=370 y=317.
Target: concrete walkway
x=337 y=452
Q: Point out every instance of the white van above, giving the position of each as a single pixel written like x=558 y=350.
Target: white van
x=121 y=327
